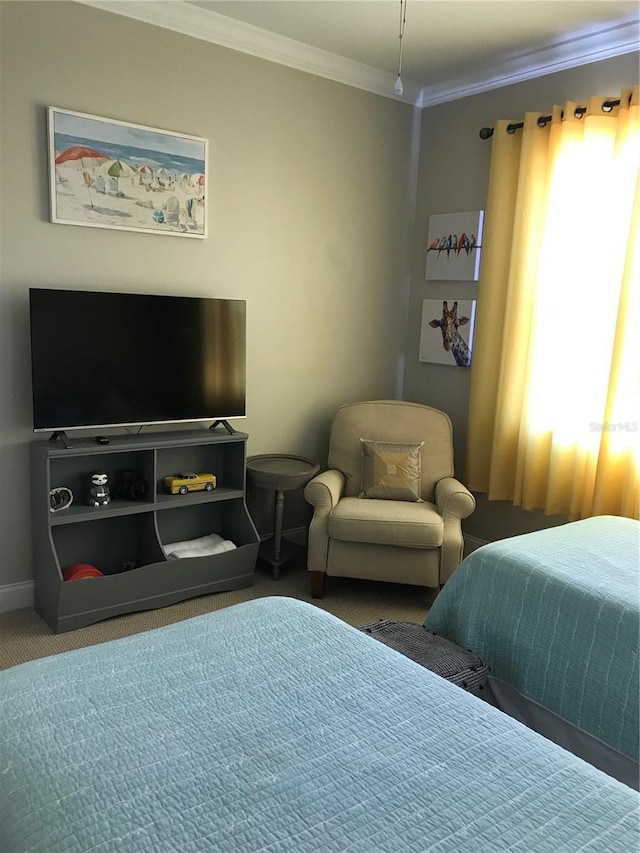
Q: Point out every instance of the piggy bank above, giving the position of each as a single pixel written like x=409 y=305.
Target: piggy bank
x=99 y=494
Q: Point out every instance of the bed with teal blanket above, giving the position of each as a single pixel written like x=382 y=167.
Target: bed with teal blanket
x=273 y=726
x=555 y=615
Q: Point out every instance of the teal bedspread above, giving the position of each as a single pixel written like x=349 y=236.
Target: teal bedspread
x=555 y=614
x=272 y=726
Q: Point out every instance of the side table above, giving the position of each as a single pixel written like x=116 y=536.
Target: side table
x=281 y=473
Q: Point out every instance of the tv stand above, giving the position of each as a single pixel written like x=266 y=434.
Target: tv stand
x=61 y=434
x=125 y=539
x=225 y=424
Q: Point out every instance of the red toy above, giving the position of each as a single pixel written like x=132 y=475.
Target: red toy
x=81 y=571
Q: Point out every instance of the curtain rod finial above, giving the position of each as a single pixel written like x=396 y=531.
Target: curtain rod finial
x=486 y=133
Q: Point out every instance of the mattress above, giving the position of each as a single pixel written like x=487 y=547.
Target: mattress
x=273 y=726
x=555 y=615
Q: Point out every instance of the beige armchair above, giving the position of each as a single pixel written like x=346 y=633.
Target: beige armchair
x=388 y=508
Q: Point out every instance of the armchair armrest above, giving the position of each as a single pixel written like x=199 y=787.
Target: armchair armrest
x=454 y=499
x=454 y=502
x=325 y=490
x=323 y=493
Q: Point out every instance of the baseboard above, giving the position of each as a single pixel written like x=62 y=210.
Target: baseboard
x=297 y=535
x=472 y=543
x=14 y=596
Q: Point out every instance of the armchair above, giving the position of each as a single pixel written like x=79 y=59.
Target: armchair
x=389 y=507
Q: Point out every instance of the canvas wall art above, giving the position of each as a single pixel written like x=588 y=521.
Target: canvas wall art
x=454 y=246
x=446 y=335
x=113 y=174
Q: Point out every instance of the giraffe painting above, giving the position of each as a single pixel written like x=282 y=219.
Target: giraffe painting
x=449 y=346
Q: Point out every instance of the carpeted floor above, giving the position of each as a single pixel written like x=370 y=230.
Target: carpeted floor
x=25 y=636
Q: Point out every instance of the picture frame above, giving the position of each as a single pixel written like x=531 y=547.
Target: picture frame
x=441 y=340
x=454 y=245
x=105 y=173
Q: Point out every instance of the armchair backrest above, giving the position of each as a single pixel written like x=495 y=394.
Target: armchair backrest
x=391 y=421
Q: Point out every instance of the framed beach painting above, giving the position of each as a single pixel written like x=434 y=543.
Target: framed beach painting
x=446 y=333
x=113 y=174
x=454 y=244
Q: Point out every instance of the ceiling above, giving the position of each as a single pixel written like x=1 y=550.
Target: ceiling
x=450 y=48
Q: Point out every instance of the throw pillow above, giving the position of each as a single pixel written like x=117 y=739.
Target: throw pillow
x=391 y=471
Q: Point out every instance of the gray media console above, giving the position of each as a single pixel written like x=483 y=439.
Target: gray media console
x=125 y=539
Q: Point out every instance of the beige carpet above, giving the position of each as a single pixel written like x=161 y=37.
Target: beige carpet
x=25 y=636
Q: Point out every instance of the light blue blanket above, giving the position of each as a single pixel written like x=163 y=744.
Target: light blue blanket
x=272 y=726
x=555 y=614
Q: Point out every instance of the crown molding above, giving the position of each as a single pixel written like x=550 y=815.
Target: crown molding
x=580 y=50
x=184 y=18
x=236 y=35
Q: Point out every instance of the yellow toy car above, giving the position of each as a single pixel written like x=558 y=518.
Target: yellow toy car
x=180 y=484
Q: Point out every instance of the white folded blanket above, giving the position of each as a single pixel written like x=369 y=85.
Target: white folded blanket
x=204 y=546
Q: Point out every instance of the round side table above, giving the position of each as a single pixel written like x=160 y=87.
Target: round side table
x=281 y=473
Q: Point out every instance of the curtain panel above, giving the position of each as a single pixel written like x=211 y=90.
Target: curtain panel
x=554 y=411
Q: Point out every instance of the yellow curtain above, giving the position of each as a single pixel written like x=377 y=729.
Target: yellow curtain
x=554 y=411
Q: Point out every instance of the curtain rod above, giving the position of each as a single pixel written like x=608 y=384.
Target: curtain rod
x=487 y=132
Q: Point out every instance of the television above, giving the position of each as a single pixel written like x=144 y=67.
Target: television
x=107 y=359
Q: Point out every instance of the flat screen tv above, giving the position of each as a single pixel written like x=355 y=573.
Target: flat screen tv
x=103 y=359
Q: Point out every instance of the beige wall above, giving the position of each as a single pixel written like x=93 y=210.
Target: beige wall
x=311 y=221
x=311 y=215
x=453 y=176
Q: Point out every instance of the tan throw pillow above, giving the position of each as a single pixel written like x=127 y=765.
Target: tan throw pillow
x=391 y=472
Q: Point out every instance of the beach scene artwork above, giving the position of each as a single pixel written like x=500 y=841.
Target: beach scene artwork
x=114 y=174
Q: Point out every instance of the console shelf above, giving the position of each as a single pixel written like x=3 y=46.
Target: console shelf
x=128 y=532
